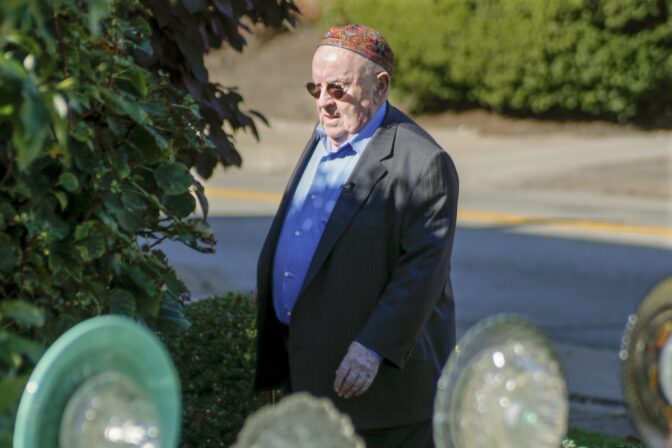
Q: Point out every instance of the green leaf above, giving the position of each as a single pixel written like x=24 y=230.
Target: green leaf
x=144 y=282
x=181 y=205
x=26 y=347
x=11 y=390
x=59 y=124
x=23 y=313
x=121 y=301
x=59 y=261
x=66 y=84
x=98 y=9
x=173 y=178
x=171 y=315
x=202 y=199
x=138 y=79
x=8 y=253
x=202 y=229
x=12 y=70
x=90 y=240
x=261 y=117
x=62 y=199
x=135 y=112
x=69 y=182
x=119 y=161
x=29 y=138
x=158 y=137
x=24 y=40
x=6 y=110
x=128 y=218
x=82 y=132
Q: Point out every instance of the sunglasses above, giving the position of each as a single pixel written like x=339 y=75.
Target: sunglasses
x=336 y=91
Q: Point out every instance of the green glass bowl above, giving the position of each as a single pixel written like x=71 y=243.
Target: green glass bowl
x=107 y=344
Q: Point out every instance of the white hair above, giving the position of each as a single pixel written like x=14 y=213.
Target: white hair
x=371 y=68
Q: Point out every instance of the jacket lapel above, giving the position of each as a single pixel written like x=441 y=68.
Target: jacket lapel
x=368 y=171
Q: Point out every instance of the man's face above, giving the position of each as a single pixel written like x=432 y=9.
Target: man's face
x=346 y=116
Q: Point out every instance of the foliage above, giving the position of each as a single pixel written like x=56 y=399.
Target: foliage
x=215 y=361
x=590 y=58
x=98 y=137
x=578 y=438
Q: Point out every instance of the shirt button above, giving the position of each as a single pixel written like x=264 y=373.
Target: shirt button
x=297 y=233
x=312 y=196
x=289 y=314
x=286 y=274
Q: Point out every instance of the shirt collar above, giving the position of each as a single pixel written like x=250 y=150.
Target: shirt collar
x=358 y=141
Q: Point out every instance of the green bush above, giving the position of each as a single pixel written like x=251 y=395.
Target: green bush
x=564 y=58
x=105 y=109
x=215 y=359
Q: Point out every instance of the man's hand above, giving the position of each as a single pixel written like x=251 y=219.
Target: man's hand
x=356 y=372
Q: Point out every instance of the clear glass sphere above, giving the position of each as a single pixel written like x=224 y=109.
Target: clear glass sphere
x=110 y=410
x=504 y=387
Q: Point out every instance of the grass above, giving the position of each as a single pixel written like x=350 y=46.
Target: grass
x=578 y=438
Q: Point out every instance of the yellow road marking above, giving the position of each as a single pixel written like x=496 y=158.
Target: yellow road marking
x=603 y=226
x=243 y=195
x=499 y=218
x=473 y=215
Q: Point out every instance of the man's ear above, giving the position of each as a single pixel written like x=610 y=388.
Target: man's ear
x=382 y=86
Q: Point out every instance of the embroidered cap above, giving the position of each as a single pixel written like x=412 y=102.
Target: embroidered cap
x=362 y=40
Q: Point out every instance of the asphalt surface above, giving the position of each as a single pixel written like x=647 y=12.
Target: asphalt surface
x=568 y=231
x=580 y=292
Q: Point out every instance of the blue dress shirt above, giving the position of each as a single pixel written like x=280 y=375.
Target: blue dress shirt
x=313 y=201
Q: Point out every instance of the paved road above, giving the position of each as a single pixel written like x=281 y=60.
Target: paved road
x=580 y=291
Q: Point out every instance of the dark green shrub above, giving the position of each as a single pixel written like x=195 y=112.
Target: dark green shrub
x=591 y=58
x=215 y=360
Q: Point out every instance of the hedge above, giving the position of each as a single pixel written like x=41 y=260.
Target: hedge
x=215 y=359
x=563 y=58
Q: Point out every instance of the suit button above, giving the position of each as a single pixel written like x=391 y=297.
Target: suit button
x=286 y=274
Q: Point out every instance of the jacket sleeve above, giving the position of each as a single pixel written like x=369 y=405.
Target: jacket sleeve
x=423 y=268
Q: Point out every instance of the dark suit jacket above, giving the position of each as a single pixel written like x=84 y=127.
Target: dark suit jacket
x=380 y=275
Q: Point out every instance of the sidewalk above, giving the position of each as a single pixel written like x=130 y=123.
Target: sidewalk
x=596 y=398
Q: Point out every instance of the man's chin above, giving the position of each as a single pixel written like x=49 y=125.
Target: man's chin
x=335 y=134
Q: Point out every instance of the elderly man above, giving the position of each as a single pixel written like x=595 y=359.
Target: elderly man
x=354 y=295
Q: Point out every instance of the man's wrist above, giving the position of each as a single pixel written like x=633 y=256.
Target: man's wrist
x=374 y=353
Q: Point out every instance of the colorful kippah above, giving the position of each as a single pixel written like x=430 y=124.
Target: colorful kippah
x=364 y=41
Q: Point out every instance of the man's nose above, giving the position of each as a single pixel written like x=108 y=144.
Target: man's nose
x=324 y=100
